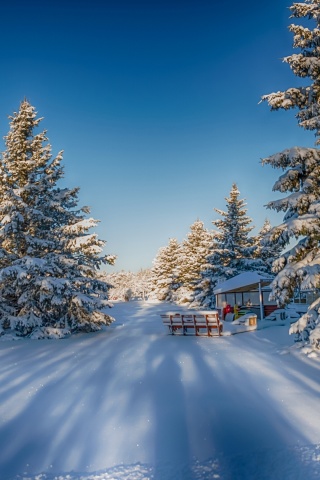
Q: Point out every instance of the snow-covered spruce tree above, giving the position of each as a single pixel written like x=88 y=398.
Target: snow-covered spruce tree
x=48 y=259
x=305 y=64
x=232 y=250
x=165 y=273
x=266 y=252
x=203 y=292
x=194 y=251
x=299 y=268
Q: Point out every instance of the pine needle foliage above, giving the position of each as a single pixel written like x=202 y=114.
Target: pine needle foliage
x=306 y=65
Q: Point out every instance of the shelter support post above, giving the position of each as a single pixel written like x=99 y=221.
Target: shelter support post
x=261 y=302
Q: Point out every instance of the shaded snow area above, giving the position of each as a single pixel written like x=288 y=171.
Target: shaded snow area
x=132 y=402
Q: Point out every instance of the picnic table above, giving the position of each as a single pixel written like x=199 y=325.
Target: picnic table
x=196 y=323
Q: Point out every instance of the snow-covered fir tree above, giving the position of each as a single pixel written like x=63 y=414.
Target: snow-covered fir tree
x=304 y=64
x=299 y=268
x=203 y=291
x=48 y=258
x=165 y=273
x=232 y=250
x=266 y=253
x=194 y=251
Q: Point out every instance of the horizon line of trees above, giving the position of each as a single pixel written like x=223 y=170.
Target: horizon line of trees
x=126 y=285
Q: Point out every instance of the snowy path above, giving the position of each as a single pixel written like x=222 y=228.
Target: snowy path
x=135 y=403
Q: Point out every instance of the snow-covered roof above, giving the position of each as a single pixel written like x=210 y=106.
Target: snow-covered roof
x=244 y=282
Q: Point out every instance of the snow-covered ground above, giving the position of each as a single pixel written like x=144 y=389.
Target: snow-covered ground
x=133 y=402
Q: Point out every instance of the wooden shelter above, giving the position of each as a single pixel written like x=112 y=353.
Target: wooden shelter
x=248 y=288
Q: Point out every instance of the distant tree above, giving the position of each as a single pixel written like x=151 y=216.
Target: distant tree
x=165 y=273
x=299 y=267
x=203 y=292
x=265 y=253
x=129 y=285
x=142 y=287
x=194 y=250
x=48 y=258
x=121 y=284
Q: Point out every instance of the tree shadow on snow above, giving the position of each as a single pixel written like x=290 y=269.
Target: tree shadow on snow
x=136 y=394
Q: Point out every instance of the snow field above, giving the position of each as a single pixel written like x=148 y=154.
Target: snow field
x=133 y=402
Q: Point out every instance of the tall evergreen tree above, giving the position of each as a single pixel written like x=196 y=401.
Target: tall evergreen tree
x=48 y=258
x=299 y=268
x=165 y=273
x=231 y=250
x=304 y=65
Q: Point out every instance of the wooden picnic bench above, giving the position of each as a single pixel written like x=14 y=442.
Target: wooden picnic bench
x=197 y=323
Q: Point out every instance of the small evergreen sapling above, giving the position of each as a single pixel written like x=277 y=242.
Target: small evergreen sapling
x=48 y=259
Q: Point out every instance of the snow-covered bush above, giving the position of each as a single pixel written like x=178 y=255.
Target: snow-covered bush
x=48 y=258
x=305 y=326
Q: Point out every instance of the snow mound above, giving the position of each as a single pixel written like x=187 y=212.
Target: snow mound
x=49 y=333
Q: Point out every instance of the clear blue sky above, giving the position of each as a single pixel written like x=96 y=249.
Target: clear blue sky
x=155 y=104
